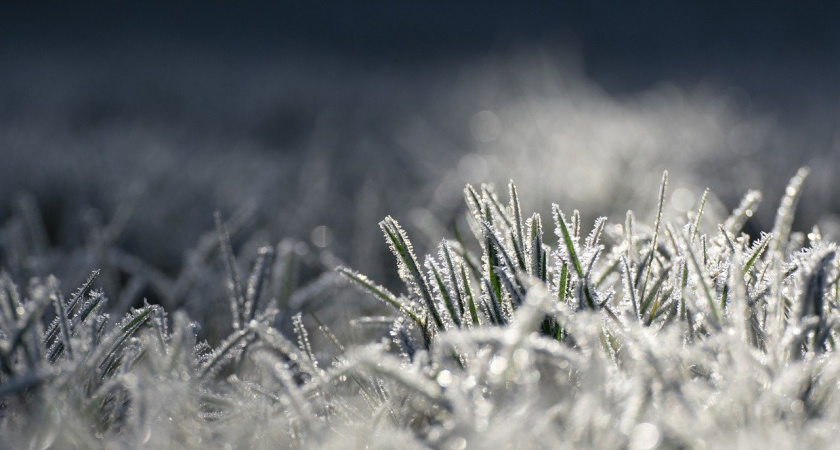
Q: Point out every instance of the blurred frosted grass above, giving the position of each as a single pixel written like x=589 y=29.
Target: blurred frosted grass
x=322 y=148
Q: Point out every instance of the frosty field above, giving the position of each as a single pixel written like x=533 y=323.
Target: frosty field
x=682 y=333
x=495 y=253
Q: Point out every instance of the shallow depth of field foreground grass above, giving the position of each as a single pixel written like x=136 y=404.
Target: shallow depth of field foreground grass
x=533 y=332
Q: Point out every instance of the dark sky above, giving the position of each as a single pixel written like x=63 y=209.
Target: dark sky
x=631 y=30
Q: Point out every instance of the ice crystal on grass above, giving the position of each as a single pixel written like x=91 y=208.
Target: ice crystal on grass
x=673 y=334
x=675 y=318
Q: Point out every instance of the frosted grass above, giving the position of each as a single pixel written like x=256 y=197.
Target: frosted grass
x=665 y=334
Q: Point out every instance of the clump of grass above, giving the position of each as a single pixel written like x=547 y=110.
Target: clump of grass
x=667 y=315
x=628 y=336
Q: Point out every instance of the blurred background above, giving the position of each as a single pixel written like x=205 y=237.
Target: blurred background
x=124 y=125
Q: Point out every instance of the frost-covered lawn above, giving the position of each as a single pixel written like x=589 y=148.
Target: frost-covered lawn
x=680 y=331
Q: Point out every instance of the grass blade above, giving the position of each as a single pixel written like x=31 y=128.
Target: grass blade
x=259 y=275
x=785 y=213
x=237 y=300
x=409 y=268
x=653 y=242
x=570 y=249
x=380 y=293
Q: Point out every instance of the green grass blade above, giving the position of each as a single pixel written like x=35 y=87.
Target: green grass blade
x=380 y=293
x=755 y=254
x=444 y=292
x=652 y=252
x=657 y=286
x=570 y=249
x=446 y=252
x=410 y=270
x=537 y=252
x=470 y=297
x=563 y=283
